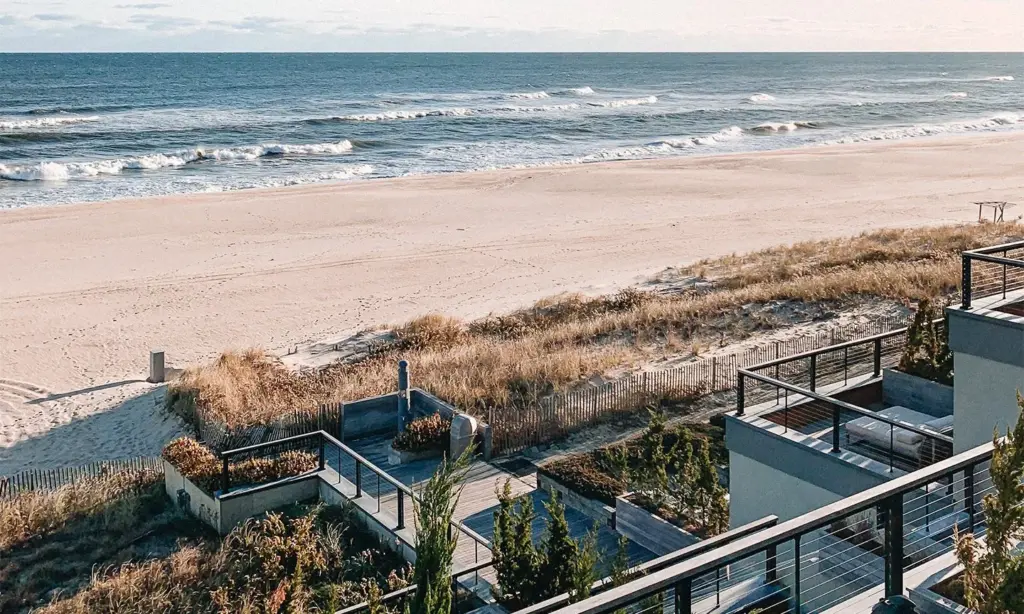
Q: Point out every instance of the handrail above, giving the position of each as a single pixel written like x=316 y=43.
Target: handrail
x=409 y=590
x=323 y=436
x=994 y=248
x=765 y=540
x=663 y=561
x=847 y=406
x=401 y=487
x=831 y=348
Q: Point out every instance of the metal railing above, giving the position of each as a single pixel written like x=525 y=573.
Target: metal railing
x=992 y=271
x=392 y=496
x=867 y=542
x=793 y=384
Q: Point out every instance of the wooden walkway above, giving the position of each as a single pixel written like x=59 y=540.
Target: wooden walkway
x=479 y=501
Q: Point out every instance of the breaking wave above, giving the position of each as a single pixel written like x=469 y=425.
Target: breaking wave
x=773 y=127
x=399 y=115
x=629 y=102
x=957 y=95
x=665 y=146
x=528 y=95
x=45 y=122
x=761 y=98
x=1002 y=120
x=1001 y=78
x=578 y=91
x=64 y=171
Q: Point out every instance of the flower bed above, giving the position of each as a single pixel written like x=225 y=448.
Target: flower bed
x=431 y=433
x=202 y=467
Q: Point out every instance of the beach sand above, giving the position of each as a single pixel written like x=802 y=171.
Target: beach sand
x=88 y=290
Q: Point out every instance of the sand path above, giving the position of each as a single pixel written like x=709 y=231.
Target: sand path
x=87 y=290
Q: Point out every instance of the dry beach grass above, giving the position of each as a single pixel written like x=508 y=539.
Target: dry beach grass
x=515 y=358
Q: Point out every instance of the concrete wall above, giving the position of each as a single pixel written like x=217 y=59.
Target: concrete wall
x=591 y=508
x=425 y=404
x=788 y=474
x=372 y=416
x=237 y=506
x=342 y=493
x=652 y=532
x=200 y=505
x=917 y=393
x=756 y=490
x=985 y=397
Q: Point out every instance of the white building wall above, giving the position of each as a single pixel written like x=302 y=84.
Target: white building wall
x=984 y=396
x=757 y=490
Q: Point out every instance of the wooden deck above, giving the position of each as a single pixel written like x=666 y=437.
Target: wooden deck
x=478 y=501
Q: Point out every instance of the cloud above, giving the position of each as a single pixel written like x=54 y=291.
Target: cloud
x=146 y=6
x=162 y=23
x=54 y=17
x=8 y=20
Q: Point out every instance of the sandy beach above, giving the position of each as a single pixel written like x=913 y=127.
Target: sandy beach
x=87 y=290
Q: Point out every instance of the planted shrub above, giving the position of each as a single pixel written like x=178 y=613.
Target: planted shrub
x=583 y=474
x=430 y=433
x=927 y=353
x=201 y=466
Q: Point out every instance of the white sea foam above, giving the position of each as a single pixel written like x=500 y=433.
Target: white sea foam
x=665 y=146
x=579 y=91
x=996 y=122
x=773 y=127
x=63 y=171
x=957 y=95
x=399 y=115
x=761 y=98
x=629 y=102
x=1000 y=78
x=540 y=109
x=345 y=173
x=45 y=122
x=528 y=95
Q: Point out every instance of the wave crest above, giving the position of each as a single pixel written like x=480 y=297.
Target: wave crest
x=1001 y=120
x=773 y=127
x=629 y=102
x=578 y=91
x=761 y=98
x=665 y=146
x=46 y=122
x=528 y=95
x=63 y=171
x=1000 y=78
x=401 y=115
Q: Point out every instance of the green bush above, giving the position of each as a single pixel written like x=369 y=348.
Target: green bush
x=430 y=433
x=927 y=353
x=584 y=475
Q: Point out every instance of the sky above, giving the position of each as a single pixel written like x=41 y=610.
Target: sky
x=511 y=25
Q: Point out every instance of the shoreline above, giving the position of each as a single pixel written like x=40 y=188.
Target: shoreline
x=88 y=289
x=667 y=160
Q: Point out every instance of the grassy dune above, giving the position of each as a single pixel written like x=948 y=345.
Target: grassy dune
x=515 y=358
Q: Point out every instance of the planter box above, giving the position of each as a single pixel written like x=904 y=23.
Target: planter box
x=401 y=457
x=225 y=512
x=930 y=602
x=652 y=532
x=591 y=508
x=917 y=393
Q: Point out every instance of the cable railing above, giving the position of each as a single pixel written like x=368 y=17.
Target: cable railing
x=394 y=500
x=867 y=542
x=992 y=271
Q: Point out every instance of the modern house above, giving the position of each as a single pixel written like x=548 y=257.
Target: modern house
x=866 y=472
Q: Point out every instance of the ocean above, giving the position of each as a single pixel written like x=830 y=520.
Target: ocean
x=91 y=127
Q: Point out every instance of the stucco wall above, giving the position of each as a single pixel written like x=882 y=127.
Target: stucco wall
x=917 y=393
x=372 y=416
x=985 y=396
x=757 y=490
x=238 y=506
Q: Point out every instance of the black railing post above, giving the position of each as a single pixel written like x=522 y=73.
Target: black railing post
x=1004 y=275
x=771 y=564
x=359 y=479
x=323 y=462
x=892 y=447
x=740 y=399
x=225 y=476
x=969 y=497
x=965 y=283
x=814 y=371
x=878 y=357
x=894 y=546
x=835 y=429
x=796 y=574
x=684 y=596
x=401 y=509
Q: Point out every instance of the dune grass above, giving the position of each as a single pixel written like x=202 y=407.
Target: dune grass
x=514 y=359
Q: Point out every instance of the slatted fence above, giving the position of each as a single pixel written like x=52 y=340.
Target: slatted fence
x=51 y=479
